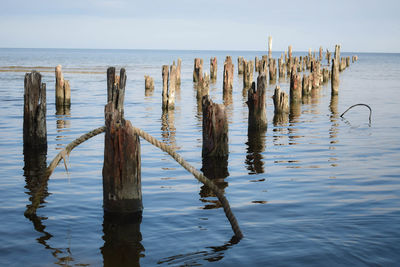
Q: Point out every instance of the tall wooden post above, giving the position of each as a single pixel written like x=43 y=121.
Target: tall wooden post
x=247 y=74
x=172 y=87
x=215 y=129
x=213 y=69
x=256 y=103
x=178 y=72
x=335 y=77
x=165 y=78
x=63 y=89
x=34 y=129
x=272 y=70
x=122 y=193
x=240 y=65
x=198 y=69
x=337 y=53
x=269 y=47
x=306 y=85
x=320 y=53
x=228 y=76
x=295 y=87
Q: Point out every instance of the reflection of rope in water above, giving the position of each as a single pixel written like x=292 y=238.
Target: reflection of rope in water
x=31 y=211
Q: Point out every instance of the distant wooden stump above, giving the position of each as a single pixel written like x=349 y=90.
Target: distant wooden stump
x=213 y=69
x=63 y=89
x=148 y=83
x=198 y=69
x=228 y=76
x=281 y=101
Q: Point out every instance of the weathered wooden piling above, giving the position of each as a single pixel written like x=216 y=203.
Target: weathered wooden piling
x=34 y=128
x=148 y=82
x=281 y=101
x=325 y=75
x=215 y=129
x=172 y=87
x=320 y=54
x=178 y=72
x=256 y=102
x=122 y=168
x=295 y=87
x=198 y=69
x=315 y=73
x=247 y=74
x=306 y=85
x=165 y=78
x=272 y=70
x=269 y=47
x=213 y=69
x=228 y=76
x=328 y=56
x=342 y=64
x=335 y=77
x=63 y=89
x=347 y=62
x=337 y=53
x=354 y=59
x=263 y=65
x=256 y=64
x=203 y=86
x=240 y=65
x=281 y=67
x=290 y=52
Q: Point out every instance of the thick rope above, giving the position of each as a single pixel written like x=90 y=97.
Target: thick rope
x=164 y=147
x=365 y=105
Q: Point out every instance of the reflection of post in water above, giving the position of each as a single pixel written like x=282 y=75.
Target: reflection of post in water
x=255 y=146
x=333 y=131
x=168 y=129
x=63 y=114
x=122 y=241
x=295 y=112
x=215 y=149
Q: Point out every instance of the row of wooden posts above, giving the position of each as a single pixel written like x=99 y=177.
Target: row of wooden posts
x=122 y=164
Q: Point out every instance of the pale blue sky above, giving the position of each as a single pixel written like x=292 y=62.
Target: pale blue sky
x=361 y=26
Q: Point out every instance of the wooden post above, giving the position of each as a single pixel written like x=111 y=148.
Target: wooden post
x=256 y=103
x=347 y=62
x=281 y=68
x=165 y=78
x=228 y=76
x=263 y=65
x=337 y=53
x=272 y=70
x=295 y=87
x=213 y=69
x=269 y=47
x=121 y=169
x=306 y=85
x=325 y=75
x=172 y=87
x=34 y=128
x=247 y=74
x=203 y=86
x=240 y=65
x=320 y=54
x=198 y=69
x=342 y=65
x=148 y=82
x=63 y=89
x=178 y=72
x=316 y=77
x=215 y=129
x=290 y=52
x=281 y=101
x=335 y=77
x=256 y=64
x=328 y=56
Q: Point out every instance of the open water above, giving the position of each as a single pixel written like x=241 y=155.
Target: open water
x=316 y=190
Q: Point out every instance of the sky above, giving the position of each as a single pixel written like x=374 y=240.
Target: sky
x=359 y=26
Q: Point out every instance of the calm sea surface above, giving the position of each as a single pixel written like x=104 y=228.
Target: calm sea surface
x=315 y=190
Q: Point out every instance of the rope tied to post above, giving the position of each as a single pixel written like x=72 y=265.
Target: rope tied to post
x=164 y=147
